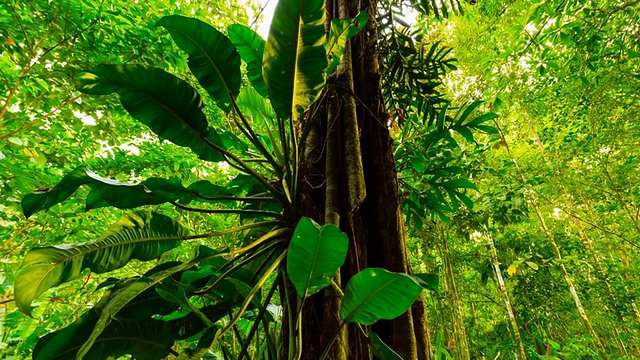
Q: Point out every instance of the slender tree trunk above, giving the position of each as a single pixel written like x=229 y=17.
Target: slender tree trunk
x=572 y=288
x=462 y=343
x=611 y=298
x=505 y=296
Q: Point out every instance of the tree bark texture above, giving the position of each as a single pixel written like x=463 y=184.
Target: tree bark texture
x=348 y=177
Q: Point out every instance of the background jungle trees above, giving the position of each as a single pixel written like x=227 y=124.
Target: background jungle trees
x=562 y=75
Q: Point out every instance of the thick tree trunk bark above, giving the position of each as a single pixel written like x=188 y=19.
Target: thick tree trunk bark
x=348 y=177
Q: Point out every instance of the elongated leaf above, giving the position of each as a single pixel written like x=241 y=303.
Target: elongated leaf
x=148 y=339
x=315 y=255
x=381 y=350
x=253 y=104
x=139 y=235
x=375 y=294
x=112 y=192
x=168 y=105
x=459 y=184
x=295 y=58
x=213 y=59
x=118 y=300
x=482 y=118
x=341 y=31
x=202 y=349
x=468 y=110
x=251 y=48
x=427 y=281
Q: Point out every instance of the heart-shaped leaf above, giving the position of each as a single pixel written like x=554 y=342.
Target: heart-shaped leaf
x=375 y=294
x=315 y=255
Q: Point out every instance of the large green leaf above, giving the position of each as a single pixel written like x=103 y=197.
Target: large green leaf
x=315 y=255
x=427 y=281
x=295 y=58
x=381 y=350
x=251 y=48
x=143 y=339
x=105 y=192
x=213 y=58
x=144 y=305
x=341 y=31
x=165 y=103
x=376 y=293
x=139 y=235
x=117 y=300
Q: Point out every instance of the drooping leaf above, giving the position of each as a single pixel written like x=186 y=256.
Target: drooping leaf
x=144 y=305
x=177 y=293
x=427 y=281
x=315 y=255
x=468 y=110
x=110 y=192
x=381 y=350
x=459 y=183
x=253 y=104
x=118 y=300
x=168 y=105
x=251 y=48
x=147 y=339
x=341 y=31
x=202 y=349
x=213 y=58
x=295 y=59
x=139 y=235
x=375 y=294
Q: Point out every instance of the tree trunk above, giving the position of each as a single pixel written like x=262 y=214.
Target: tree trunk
x=348 y=177
x=505 y=296
x=459 y=334
x=572 y=288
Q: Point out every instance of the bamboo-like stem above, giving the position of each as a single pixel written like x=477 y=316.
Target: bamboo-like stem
x=505 y=295
x=458 y=325
x=555 y=247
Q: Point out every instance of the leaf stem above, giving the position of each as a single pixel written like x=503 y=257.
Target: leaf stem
x=231 y=230
x=227 y=211
x=251 y=295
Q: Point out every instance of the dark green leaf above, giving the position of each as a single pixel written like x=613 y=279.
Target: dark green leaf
x=147 y=339
x=315 y=255
x=139 y=235
x=428 y=281
x=165 y=103
x=459 y=183
x=213 y=58
x=251 y=48
x=110 y=192
x=295 y=59
x=375 y=294
x=381 y=350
